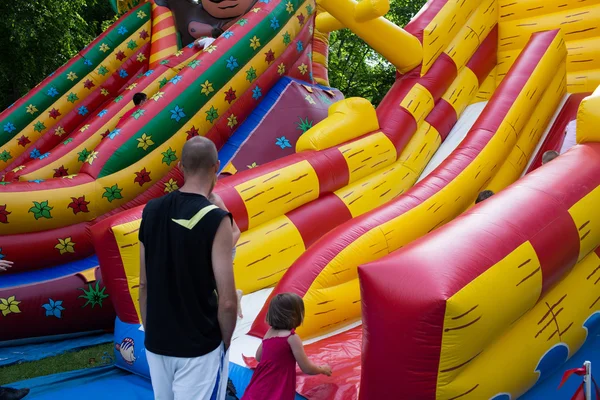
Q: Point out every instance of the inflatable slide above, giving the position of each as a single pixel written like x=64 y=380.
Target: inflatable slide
x=410 y=289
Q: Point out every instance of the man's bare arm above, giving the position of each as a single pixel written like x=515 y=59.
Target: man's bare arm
x=143 y=292
x=223 y=271
x=218 y=201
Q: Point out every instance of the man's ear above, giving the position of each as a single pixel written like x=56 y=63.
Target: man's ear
x=218 y=166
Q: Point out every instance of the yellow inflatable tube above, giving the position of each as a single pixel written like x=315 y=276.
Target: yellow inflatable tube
x=347 y=119
x=382 y=35
x=517 y=161
x=588 y=119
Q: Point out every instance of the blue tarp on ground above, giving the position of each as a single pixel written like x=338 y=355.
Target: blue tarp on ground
x=108 y=382
x=38 y=351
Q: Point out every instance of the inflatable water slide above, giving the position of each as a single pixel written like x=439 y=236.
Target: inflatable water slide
x=371 y=219
x=75 y=150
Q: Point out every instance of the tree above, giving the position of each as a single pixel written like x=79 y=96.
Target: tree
x=355 y=68
x=37 y=37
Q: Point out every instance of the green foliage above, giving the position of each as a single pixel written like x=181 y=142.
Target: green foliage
x=355 y=68
x=37 y=37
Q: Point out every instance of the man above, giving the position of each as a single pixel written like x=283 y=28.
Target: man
x=5 y=392
x=549 y=156
x=188 y=301
x=486 y=194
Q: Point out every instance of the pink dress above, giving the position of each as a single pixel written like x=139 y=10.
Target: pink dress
x=275 y=375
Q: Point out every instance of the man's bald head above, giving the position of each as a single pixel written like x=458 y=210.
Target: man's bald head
x=199 y=156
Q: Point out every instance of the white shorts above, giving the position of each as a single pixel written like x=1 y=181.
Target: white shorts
x=200 y=378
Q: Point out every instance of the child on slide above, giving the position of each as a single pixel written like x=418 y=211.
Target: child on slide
x=280 y=350
x=218 y=201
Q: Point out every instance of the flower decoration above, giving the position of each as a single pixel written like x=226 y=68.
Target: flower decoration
x=4 y=213
x=41 y=210
x=112 y=193
x=177 y=113
x=10 y=305
x=283 y=142
x=171 y=186
x=78 y=204
x=232 y=121
x=142 y=177
x=65 y=245
x=144 y=141
x=169 y=156
x=255 y=43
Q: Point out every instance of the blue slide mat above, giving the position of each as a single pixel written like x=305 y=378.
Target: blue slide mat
x=108 y=382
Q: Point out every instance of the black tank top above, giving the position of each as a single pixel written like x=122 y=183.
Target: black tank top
x=177 y=231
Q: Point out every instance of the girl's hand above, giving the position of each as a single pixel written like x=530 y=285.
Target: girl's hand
x=325 y=370
x=5 y=264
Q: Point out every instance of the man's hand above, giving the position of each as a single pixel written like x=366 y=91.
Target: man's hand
x=5 y=264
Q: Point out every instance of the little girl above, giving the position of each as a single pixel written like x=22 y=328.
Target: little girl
x=280 y=350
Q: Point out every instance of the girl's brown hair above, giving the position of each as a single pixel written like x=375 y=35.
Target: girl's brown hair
x=286 y=311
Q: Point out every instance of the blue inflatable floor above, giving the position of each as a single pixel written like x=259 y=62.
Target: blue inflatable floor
x=108 y=382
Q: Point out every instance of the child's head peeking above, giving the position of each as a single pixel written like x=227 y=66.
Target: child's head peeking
x=286 y=311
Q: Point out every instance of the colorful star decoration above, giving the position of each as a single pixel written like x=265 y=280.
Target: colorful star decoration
x=54 y=113
x=230 y=95
x=192 y=132
x=269 y=56
x=144 y=35
x=71 y=76
x=120 y=55
x=232 y=121
x=104 y=47
x=31 y=109
x=88 y=84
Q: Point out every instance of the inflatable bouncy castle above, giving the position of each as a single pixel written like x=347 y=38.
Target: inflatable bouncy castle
x=411 y=290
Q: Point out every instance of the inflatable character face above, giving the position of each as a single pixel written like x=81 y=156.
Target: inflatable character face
x=226 y=9
x=209 y=18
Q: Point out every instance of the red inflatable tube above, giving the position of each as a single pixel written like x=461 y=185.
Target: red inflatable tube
x=17 y=248
x=556 y=135
x=415 y=282
x=302 y=273
x=112 y=266
x=78 y=315
x=73 y=121
x=427 y=13
x=244 y=106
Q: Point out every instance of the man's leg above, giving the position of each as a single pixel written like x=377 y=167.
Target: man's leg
x=199 y=378
x=162 y=371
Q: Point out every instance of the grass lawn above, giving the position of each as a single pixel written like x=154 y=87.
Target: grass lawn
x=88 y=357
